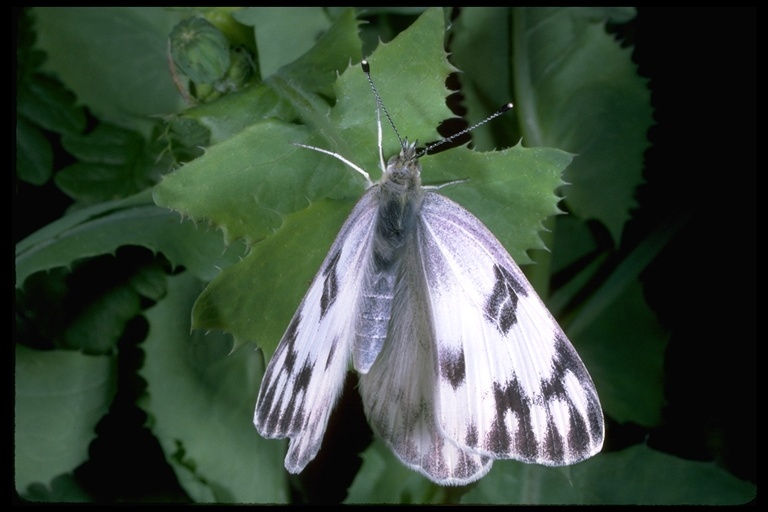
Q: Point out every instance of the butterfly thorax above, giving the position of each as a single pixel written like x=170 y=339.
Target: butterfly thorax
x=399 y=197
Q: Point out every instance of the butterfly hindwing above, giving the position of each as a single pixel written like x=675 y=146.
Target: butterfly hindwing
x=306 y=374
x=399 y=390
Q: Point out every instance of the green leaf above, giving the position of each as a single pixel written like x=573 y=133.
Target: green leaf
x=60 y=396
x=577 y=89
x=624 y=348
x=634 y=476
x=113 y=58
x=98 y=327
x=232 y=113
x=200 y=402
x=102 y=228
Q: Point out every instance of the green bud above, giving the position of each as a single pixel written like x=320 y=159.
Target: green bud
x=199 y=50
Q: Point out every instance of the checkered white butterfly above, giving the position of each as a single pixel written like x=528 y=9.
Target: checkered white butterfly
x=460 y=362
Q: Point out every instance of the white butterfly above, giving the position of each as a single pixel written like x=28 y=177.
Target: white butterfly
x=460 y=362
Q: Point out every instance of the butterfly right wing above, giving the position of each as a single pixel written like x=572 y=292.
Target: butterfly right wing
x=306 y=374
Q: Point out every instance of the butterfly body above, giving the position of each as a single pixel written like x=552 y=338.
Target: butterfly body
x=397 y=198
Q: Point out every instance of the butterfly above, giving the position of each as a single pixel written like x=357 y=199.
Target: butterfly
x=459 y=361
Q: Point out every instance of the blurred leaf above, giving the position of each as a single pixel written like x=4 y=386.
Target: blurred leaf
x=577 y=89
x=60 y=396
x=98 y=327
x=486 y=83
x=112 y=163
x=113 y=58
x=200 y=401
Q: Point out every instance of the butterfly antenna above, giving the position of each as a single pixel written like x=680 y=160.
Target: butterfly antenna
x=367 y=70
x=503 y=109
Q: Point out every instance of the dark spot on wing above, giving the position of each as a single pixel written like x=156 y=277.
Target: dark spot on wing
x=578 y=439
x=289 y=341
x=501 y=306
x=330 y=285
x=331 y=352
x=292 y=417
x=452 y=367
x=472 y=437
x=554 y=447
x=509 y=399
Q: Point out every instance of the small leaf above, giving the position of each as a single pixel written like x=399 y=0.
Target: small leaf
x=97 y=329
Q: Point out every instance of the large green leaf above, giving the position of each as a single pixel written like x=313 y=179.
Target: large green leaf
x=200 y=403
x=60 y=396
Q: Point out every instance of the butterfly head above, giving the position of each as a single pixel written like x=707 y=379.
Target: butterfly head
x=404 y=168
